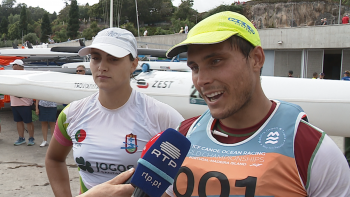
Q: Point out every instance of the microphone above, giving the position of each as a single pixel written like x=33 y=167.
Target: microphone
x=145 y=149
x=159 y=164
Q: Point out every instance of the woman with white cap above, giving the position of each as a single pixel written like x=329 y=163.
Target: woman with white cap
x=107 y=130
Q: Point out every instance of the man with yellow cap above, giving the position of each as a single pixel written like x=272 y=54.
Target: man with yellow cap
x=245 y=144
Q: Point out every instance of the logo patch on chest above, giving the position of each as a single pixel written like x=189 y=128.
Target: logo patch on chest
x=272 y=138
x=130 y=143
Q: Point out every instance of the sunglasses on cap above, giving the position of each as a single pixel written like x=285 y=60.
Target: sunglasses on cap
x=79 y=71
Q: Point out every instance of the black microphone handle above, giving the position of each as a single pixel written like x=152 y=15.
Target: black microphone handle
x=139 y=193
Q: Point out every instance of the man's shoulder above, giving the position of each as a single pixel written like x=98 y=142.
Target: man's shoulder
x=186 y=124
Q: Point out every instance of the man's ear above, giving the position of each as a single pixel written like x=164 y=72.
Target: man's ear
x=258 y=57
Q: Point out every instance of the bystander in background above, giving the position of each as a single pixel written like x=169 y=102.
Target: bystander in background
x=314 y=75
x=290 y=73
x=81 y=70
x=22 y=112
x=47 y=112
x=253 y=22
x=186 y=29
x=345 y=19
x=181 y=30
x=347 y=139
x=321 y=76
x=325 y=21
x=346 y=76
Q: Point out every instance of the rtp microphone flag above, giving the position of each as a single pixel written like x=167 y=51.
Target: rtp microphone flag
x=158 y=167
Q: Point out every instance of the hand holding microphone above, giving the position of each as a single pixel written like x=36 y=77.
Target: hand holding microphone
x=157 y=168
x=113 y=187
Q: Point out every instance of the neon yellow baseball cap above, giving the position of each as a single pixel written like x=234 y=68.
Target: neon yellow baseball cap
x=218 y=28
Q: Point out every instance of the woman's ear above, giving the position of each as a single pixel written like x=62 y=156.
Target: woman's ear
x=134 y=64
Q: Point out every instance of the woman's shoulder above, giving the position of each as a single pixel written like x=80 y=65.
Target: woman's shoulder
x=157 y=107
x=148 y=101
x=79 y=105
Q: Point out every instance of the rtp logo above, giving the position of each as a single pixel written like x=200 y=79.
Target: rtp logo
x=168 y=152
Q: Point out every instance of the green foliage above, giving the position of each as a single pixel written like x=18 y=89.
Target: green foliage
x=343 y=2
x=64 y=14
x=13 y=18
x=83 y=12
x=73 y=21
x=13 y=32
x=162 y=31
x=35 y=13
x=91 y=32
x=23 y=22
x=60 y=31
x=8 y=3
x=45 y=28
x=53 y=16
x=35 y=28
x=8 y=43
x=130 y=27
x=4 y=26
x=31 y=37
x=61 y=36
x=95 y=10
x=185 y=11
x=221 y=8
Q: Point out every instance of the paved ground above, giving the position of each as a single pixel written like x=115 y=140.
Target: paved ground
x=22 y=168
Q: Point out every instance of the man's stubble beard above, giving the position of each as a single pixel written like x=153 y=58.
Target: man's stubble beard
x=242 y=102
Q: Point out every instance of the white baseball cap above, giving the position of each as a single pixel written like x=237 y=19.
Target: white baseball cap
x=18 y=62
x=114 y=41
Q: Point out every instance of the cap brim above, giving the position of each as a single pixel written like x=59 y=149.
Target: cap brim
x=12 y=63
x=108 y=48
x=204 y=38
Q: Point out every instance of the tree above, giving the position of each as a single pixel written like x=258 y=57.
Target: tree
x=13 y=32
x=6 y=7
x=31 y=37
x=35 y=13
x=73 y=21
x=64 y=14
x=23 y=21
x=61 y=36
x=185 y=11
x=13 y=18
x=130 y=27
x=4 y=26
x=34 y=27
x=222 y=8
x=91 y=32
x=83 y=12
x=45 y=28
x=8 y=3
x=53 y=16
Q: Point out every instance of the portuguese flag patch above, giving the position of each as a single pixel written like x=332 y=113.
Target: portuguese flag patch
x=80 y=135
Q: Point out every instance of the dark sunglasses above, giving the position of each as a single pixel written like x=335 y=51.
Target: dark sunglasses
x=79 y=71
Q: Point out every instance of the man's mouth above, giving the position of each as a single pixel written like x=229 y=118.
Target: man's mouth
x=214 y=96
